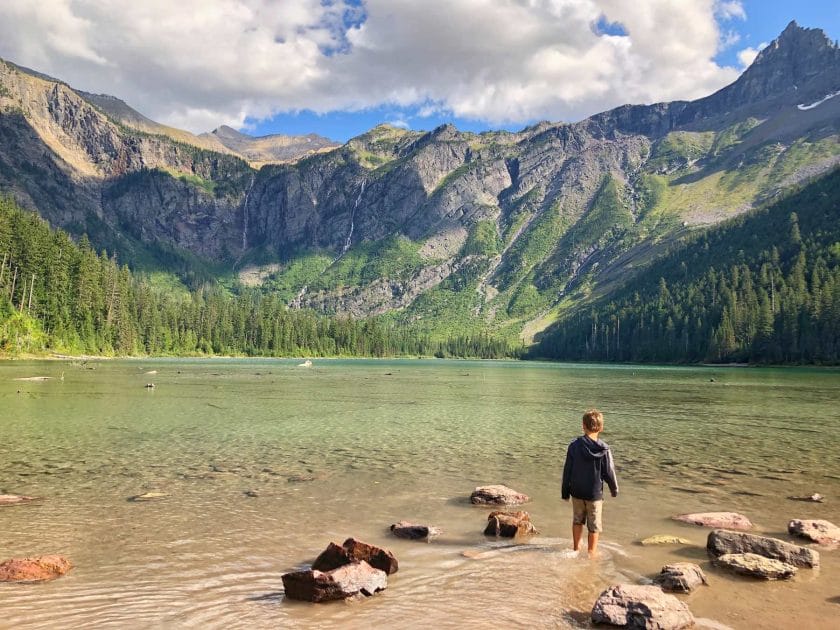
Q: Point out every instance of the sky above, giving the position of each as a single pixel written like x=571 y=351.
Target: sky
x=340 y=67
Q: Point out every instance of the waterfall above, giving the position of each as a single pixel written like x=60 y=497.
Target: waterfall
x=349 y=239
x=245 y=216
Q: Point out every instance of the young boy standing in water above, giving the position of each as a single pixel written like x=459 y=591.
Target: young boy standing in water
x=589 y=463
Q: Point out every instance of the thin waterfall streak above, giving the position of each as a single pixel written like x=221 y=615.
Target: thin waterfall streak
x=349 y=240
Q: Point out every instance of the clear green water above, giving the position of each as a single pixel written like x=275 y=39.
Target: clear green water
x=348 y=447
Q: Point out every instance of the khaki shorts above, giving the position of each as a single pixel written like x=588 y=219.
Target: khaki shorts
x=588 y=513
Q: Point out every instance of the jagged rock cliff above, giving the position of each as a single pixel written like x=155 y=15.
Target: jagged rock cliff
x=516 y=221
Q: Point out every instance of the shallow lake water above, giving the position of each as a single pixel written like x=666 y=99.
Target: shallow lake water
x=345 y=448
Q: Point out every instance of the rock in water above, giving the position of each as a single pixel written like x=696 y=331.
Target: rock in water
x=351 y=580
x=721 y=542
x=412 y=531
x=353 y=551
x=14 y=499
x=755 y=565
x=820 y=531
x=814 y=498
x=725 y=520
x=148 y=496
x=681 y=577
x=665 y=539
x=634 y=606
x=497 y=495
x=509 y=524
x=35 y=569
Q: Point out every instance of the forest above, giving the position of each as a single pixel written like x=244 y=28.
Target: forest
x=60 y=296
x=761 y=288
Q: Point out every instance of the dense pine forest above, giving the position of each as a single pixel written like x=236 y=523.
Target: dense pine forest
x=763 y=288
x=57 y=295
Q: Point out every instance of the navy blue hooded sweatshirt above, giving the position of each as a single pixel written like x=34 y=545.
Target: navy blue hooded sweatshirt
x=589 y=463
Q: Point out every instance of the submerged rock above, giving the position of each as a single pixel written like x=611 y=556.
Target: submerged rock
x=497 y=495
x=814 y=498
x=509 y=524
x=724 y=520
x=721 y=543
x=681 y=577
x=665 y=539
x=14 y=499
x=148 y=496
x=350 y=580
x=412 y=531
x=818 y=530
x=755 y=565
x=36 y=569
x=353 y=550
x=635 y=606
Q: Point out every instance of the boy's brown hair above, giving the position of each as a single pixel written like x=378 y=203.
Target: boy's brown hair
x=593 y=421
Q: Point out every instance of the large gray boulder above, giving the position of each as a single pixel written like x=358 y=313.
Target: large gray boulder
x=756 y=566
x=723 y=520
x=721 y=542
x=643 y=607
x=680 y=577
x=497 y=495
x=820 y=531
x=351 y=580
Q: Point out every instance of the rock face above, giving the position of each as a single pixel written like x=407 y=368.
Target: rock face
x=634 y=606
x=497 y=495
x=682 y=577
x=725 y=520
x=509 y=524
x=36 y=569
x=820 y=531
x=413 y=531
x=721 y=542
x=14 y=499
x=755 y=565
x=351 y=580
x=353 y=550
x=665 y=539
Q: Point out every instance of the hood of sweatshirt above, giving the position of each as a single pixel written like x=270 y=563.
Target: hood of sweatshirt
x=594 y=449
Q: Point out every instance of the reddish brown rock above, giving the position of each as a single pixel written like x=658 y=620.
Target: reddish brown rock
x=635 y=606
x=509 y=524
x=35 y=569
x=497 y=495
x=722 y=520
x=14 y=499
x=413 y=531
x=820 y=531
x=722 y=542
x=355 y=550
x=351 y=580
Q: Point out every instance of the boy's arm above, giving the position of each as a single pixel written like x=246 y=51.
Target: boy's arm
x=566 y=487
x=608 y=474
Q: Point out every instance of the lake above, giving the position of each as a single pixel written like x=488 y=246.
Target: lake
x=347 y=447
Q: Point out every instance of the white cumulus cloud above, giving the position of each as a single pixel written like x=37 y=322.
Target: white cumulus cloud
x=198 y=64
x=748 y=54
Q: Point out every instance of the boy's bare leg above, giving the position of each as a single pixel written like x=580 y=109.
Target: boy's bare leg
x=593 y=543
x=577 y=533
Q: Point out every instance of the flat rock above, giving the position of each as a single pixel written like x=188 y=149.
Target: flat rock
x=14 y=499
x=755 y=565
x=665 y=539
x=148 y=496
x=36 y=569
x=413 y=531
x=681 y=577
x=724 y=520
x=635 y=606
x=722 y=542
x=353 y=550
x=509 y=524
x=820 y=531
x=356 y=579
x=497 y=495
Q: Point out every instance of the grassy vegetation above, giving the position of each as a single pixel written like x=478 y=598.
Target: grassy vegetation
x=680 y=147
x=483 y=239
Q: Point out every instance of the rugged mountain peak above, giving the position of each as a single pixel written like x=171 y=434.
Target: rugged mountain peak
x=797 y=53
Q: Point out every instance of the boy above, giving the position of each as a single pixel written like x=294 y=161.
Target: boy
x=589 y=463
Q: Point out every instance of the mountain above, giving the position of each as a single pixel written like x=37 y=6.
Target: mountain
x=443 y=231
x=269 y=149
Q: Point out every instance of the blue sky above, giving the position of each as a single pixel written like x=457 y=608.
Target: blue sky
x=765 y=19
